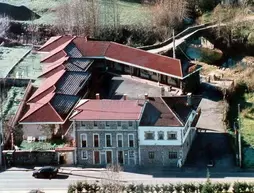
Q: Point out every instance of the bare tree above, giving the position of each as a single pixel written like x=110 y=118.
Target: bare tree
x=169 y=13
x=4 y=24
x=235 y=18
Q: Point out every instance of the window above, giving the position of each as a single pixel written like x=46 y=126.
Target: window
x=119 y=140
x=131 y=154
x=149 y=135
x=96 y=140
x=108 y=140
x=83 y=139
x=171 y=135
x=130 y=123
x=172 y=155
x=119 y=124
x=131 y=140
x=151 y=155
x=84 y=154
x=95 y=123
x=83 y=123
x=107 y=123
x=161 y=135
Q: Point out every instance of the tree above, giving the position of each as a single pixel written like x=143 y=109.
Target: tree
x=169 y=13
x=4 y=24
x=230 y=20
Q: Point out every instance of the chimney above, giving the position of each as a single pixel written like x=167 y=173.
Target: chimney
x=97 y=96
x=125 y=97
x=146 y=96
x=189 y=100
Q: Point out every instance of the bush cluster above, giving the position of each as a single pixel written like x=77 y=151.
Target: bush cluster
x=208 y=187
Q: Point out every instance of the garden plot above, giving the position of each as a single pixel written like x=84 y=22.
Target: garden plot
x=9 y=57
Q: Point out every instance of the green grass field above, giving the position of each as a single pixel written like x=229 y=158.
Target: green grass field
x=247 y=120
x=130 y=12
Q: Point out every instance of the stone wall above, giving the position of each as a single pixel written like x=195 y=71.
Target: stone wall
x=34 y=158
x=161 y=155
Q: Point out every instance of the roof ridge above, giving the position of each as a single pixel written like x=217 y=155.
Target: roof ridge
x=55 y=110
x=45 y=45
x=55 y=51
x=174 y=113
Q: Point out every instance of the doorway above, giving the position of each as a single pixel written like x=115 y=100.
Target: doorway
x=108 y=157
x=120 y=157
x=96 y=158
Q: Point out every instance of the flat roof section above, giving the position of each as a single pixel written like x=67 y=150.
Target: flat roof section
x=134 y=89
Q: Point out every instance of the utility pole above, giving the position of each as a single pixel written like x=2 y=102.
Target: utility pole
x=239 y=137
x=174 y=46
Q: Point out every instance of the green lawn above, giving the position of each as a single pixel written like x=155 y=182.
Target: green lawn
x=130 y=12
x=40 y=145
x=247 y=120
x=9 y=58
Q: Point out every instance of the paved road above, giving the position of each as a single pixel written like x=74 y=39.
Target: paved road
x=22 y=181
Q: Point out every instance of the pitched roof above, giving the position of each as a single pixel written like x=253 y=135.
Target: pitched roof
x=180 y=106
x=54 y=42
x=157 y=113
x=42 y=111
x=47 y=84
x=109 y=110
x=119 y=53
x=144 y=59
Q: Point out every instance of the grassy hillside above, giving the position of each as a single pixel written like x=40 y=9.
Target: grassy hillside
x=130 y=12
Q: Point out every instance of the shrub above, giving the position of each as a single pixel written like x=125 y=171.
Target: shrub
x=157 y=188
x=171 y=188
x=239 y=187
x=71 y=188
x=147 y=188
x=140 y=188
x=218 y=187
x=251 y=187
x=208 y=188
x=80 y=186
x=178 y=188
x=131 y=188
x=200 y=187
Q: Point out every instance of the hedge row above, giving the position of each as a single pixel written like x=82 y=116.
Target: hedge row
x=208 y=187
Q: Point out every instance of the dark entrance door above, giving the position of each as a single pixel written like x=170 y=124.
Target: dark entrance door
x=96 y=157
x=120 y=157
x=109 y=157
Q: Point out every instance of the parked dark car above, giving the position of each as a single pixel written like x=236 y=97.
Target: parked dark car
x=46 y=172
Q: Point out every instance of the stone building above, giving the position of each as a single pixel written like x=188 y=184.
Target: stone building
x=153 y=131
x=106 y=131
x=167 y=129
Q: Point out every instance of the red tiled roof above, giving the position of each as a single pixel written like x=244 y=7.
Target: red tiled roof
x=92 y=48
x=47 y=84
x=57 y=53
x=42 y=111
x=144 y=59
x=54 y=67
x=54 y=42
x=109 y=110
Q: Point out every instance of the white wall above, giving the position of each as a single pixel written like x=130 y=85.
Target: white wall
x=142 y=141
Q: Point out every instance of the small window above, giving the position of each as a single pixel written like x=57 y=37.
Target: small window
x=107 y=123
x=95 y=123
x=130 y=123
x=84 y=154
x=119 y=124
x=151 y=155
x=96 y=140
x=108 y=140
x=83 y=123
x=154 y=73
x=131 y=154
x=161 y=135
x=119 y=140
x=171 y=135
x=83 y=140
x=172 y=155
x=149 y=135
x=131 y=140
